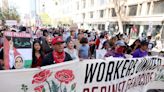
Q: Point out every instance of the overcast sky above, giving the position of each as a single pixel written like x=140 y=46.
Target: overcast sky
x=23 y=6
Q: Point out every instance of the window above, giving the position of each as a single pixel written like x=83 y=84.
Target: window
x=134 y=31
x=91 y=14
x=102 y=2
x=132 y=10
x=158 y=7
x=83 y=15
x=109 y=13
x=101 y=13
x=148 y=8
x=101 y=27
x=84 y=3
x=113 y=12
x=124 y=10
x=140 y=7
x=77 y=5
x=92 y=2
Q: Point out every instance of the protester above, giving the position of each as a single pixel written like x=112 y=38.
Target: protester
x=1 y=59
x=45 y=33
x=143 y=37
x=11 y=53
x=22 y=29
x=161 y=53
x=77 y=42
x=106 y=45
x=58 y=55
x=1 y=50
x=126 y=39
x=128 y=52
x=142 y=51
x=119 y=49
x=72 y=36
x=99 y=42
x=66 y=34
x=112 y=41
x=79 y=46
x=1 y=39
x=111 y=48
x=37 y=54
x=84 y=49
x=47 y=48
x=71 y=50
x=92 y=47
x=120 y=36
x=136 y=44
x=151 y=44
x=107 y=36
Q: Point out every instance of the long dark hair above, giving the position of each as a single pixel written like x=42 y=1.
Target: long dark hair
x=33 y=52
x=133 y=45
x=104 y=44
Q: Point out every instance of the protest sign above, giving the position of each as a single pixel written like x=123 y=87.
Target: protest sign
x=17 y=50
x=97 y=75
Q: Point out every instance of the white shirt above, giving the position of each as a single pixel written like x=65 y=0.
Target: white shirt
x=11 y=58
x=101 y=43
x=73 y=53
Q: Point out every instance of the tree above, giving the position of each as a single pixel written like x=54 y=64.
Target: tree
x=119 y=7
x=45 y=19
x=162 y=34
x=10 y=14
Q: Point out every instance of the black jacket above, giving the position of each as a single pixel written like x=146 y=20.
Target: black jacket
x=48 y=60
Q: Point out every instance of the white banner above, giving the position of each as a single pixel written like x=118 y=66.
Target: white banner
x=97 y=75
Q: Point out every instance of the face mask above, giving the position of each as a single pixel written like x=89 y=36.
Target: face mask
x=120 y=50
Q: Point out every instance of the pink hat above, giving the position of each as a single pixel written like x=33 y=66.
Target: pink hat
x=57 y=39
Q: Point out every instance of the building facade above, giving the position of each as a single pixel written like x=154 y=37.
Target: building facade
x=145 y=15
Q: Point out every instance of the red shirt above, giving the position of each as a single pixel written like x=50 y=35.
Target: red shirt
x=97 y=43
x=38 y=62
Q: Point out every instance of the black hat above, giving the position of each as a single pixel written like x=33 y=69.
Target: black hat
x=144 y=42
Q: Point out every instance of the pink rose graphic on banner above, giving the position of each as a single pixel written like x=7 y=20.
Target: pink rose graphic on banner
x=41 y=76
x=39 y=88
x=65 y=76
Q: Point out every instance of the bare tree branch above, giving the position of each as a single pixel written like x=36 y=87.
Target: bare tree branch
x=119 y=6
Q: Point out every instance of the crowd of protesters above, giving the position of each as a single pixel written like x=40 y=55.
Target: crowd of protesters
x=57 y=45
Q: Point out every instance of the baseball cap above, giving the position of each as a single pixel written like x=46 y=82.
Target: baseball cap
x=120 y=43
x=57 y=39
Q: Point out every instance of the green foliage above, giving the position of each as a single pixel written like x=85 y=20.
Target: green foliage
x=65 y=89
x=43 y=90
x=24 y=87
x=10 y=14
x=73 y=86
x=54 y=87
